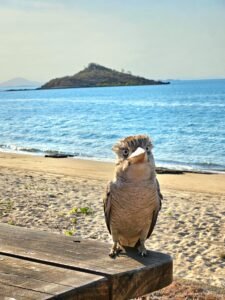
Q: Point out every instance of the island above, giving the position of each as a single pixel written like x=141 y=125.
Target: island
x=95 y=75
x=19 y=83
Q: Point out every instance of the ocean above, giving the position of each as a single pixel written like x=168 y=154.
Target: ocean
x=185 y=119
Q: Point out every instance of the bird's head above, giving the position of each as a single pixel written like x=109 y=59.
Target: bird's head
x=134 y=156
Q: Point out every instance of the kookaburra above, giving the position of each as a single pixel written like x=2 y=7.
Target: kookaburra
x=133 y=199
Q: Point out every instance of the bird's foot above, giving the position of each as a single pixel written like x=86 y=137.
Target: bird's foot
x=142 y=251
x=115 y=251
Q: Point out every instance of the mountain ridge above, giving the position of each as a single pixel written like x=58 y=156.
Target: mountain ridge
x=18 y=82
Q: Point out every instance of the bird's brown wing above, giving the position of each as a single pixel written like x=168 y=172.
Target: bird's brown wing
x=156 y=212
x=107 y=205
x=159 y=192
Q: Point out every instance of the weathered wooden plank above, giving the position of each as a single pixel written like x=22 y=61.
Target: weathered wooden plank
x=130 y=275
x=143 y=280
x=8 y=292
x=86 y=254
x=45 y=273
x=40 y=281
x=89 y=292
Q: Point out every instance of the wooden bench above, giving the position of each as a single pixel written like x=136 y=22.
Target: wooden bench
x=41 y=265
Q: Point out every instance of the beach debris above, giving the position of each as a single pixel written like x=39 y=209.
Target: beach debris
x=58 y=155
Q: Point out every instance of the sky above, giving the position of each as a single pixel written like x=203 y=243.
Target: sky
x=165 y=39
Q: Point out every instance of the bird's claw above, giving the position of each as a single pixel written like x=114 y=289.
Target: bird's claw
x=115 y=251
x=143 y=254
x=142 y=251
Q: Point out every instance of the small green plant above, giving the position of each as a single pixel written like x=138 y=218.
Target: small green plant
x=5 y=207
x=73 y=220
x=86 y=210
x=81 y=210
x=170 y=214
x=74 y=210
x=9 y=205
x=11 y=222
x=69 y=232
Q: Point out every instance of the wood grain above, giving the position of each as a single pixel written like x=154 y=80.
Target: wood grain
x=8 y=292
x=129 y=275
x=32 y=280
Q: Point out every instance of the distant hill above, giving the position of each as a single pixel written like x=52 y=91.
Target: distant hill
x=19 y=82
x=98 y=76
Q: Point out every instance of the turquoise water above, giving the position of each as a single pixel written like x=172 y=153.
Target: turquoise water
x=185 y=119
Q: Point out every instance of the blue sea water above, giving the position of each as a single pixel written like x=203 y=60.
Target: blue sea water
x=186 y=120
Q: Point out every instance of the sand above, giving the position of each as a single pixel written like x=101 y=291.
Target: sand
x=51 y=194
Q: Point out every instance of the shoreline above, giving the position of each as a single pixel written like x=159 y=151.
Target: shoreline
x=103 y=171
x=160 y=168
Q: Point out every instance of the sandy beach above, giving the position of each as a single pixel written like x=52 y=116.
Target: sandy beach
x=64 y=196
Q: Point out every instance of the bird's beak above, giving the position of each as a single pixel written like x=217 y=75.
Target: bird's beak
x=138 y=156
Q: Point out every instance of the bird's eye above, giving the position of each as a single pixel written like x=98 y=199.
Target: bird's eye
x=125 y=152
x=148 y=148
